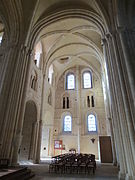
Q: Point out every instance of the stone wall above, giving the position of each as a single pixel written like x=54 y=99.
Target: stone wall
x=71 y=140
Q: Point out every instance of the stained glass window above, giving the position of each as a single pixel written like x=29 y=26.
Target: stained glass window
x=50 y=75
x=67 y=123
x=1 y=36
x=38 y=51
x=0 y=39
x=87 y=82
x=92 y=126
x=70 y=81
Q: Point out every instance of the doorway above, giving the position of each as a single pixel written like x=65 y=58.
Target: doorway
x=105 y=149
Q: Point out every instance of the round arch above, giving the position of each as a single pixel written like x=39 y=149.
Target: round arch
x=96 y=20
x=64 y=14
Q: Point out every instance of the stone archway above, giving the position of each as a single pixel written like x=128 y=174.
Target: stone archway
x=117 y=85
x=90 y=48
x=27 y=149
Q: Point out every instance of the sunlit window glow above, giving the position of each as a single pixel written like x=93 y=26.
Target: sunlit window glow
x=107 y=81
x=70 y=81
x=0 y=39
x=50 y=74
x=38 y=51
x=92 y=127
x=67 y=123
x=104 y=90
x=87 y=80
x=37 y=57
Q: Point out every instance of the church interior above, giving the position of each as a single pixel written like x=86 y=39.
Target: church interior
x=67 y=80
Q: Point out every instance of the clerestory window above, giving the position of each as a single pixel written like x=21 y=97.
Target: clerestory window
x=70 y=81
x=92 y=125
x=67 y=123
x=87 y=80
x=0 y=39
x=38 y=52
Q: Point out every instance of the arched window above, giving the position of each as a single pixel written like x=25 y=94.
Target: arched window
x=92 y=101
x=0 y=38
x=88 y=101
x=1 y=31
x=65 y=103
x=50 y=74
x=92 y=125
x=38 y=52
x=67 y=125
x=87 y=79
x=70 y=81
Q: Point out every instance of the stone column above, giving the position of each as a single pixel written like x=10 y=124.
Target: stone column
x=48 y=138
x=20 y=122
x=51 y=141
x=109 y=115
x=78 y=89
x=33 y=141
x=78 y=142
x=127 y=120
x=12 y=86
x=127 y=40
x=16 y=143
x=123 y=106
x=113 y=144
x=40 y=124
x=112 y=76
x=39 y=135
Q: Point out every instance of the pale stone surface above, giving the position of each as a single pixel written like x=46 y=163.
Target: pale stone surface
x=103 y=172
x=70 y=35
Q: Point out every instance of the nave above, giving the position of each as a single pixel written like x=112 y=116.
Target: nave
x=103 y=172
x=67 y=82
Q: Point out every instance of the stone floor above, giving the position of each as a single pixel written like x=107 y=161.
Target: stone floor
x=7 y=171
x=103 y=172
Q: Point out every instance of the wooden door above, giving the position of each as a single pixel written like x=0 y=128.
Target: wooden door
x=105 y=149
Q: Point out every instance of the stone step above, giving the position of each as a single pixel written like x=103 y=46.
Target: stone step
x=20 y=174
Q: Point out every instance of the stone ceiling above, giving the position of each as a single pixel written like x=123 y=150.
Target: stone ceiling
x=71 y=41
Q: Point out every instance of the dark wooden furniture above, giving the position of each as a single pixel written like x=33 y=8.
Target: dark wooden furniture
x=105 y=149
x=73 y=163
